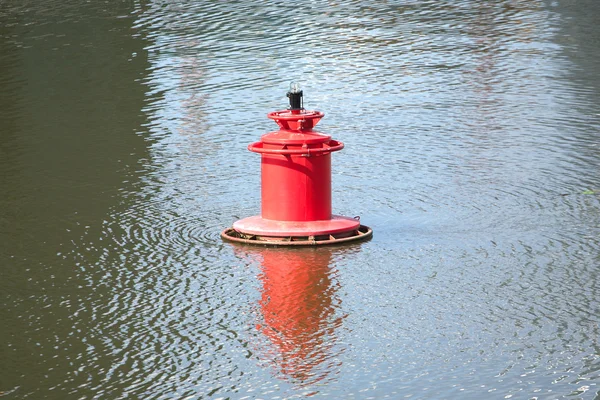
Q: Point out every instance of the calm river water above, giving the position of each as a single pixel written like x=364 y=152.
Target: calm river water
x=472 y=134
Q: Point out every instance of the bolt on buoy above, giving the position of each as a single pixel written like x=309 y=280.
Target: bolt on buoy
x=296 y=185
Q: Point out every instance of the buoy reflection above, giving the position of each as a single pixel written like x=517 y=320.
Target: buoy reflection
x=299 y=313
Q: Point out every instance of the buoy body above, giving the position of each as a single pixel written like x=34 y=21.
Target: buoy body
x=296 y=169
x=296 y=187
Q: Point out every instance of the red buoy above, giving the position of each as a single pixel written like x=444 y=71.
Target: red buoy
x=296 y=185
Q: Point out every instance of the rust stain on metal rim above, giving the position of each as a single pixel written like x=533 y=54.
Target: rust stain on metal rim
x=362 y=233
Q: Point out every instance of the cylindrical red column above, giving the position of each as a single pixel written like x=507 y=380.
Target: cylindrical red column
x=296 y=187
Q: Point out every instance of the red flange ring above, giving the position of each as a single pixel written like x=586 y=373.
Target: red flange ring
x=302 y=121
x=331 y=146
x=288 y=115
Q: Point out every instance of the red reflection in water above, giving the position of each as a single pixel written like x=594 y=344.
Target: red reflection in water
x=298 y=307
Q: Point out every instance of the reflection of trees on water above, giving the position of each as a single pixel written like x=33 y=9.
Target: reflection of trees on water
x=177 y=78
x=579 y=37
x=500 y=42
x=501 y=34
x=299 y=317
x=192 y=72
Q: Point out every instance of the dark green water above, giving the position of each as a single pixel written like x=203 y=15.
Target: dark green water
x=472 y=133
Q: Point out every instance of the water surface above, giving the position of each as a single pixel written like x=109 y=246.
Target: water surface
x=472 y=150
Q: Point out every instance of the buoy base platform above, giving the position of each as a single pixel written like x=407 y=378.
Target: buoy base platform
x=361 y=232
x=260 y=226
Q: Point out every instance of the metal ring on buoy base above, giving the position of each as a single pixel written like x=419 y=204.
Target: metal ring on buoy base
x=362 y=233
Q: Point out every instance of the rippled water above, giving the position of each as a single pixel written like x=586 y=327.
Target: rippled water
x=472 y=133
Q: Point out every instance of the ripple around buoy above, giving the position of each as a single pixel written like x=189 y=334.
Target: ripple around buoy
x=166 y=232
